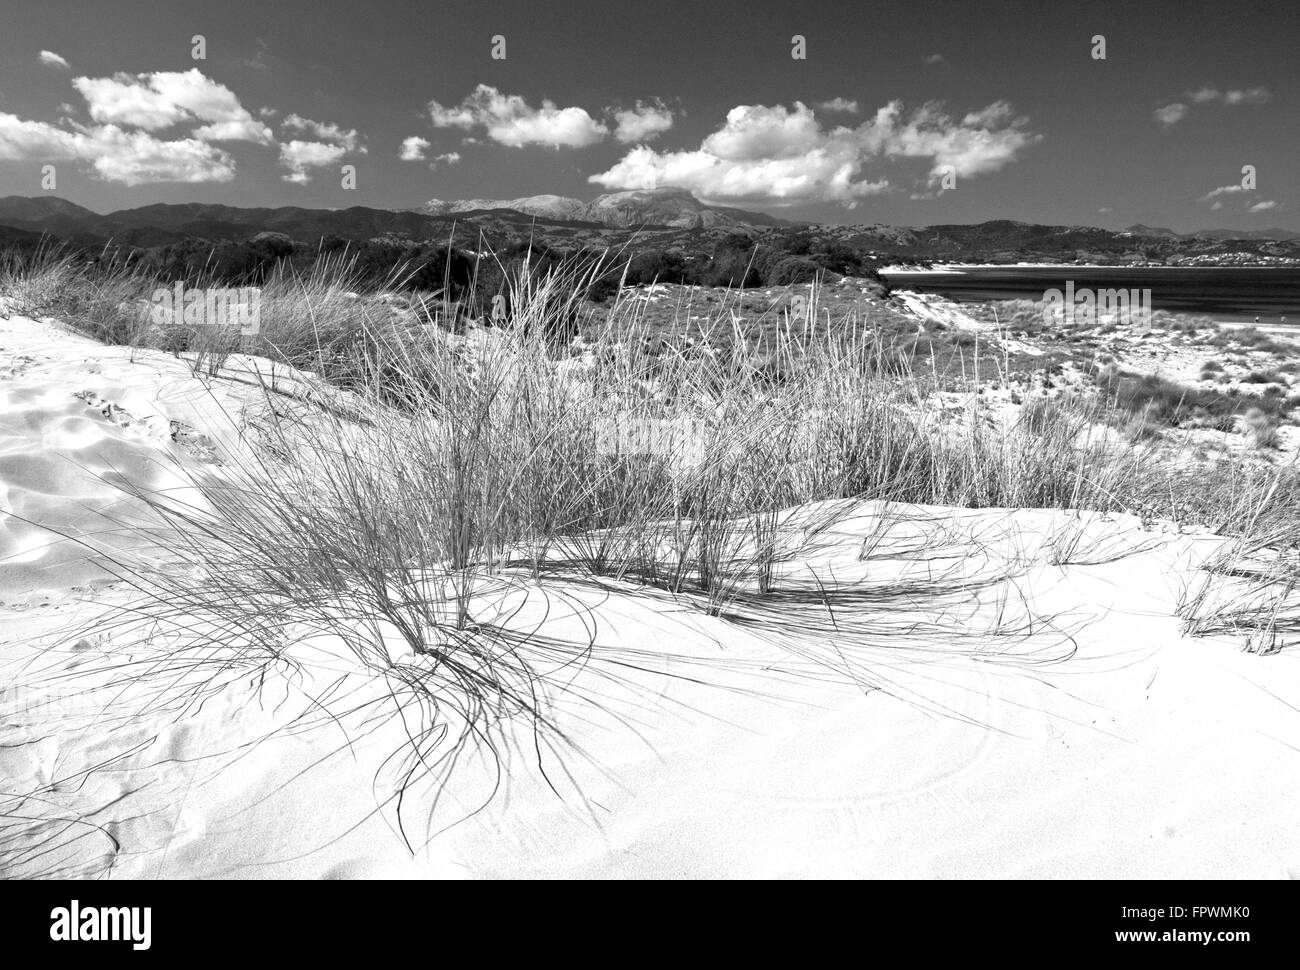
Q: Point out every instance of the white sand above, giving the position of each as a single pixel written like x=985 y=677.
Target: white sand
x=1104 y=744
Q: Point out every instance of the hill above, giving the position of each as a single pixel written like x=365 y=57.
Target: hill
x=671 y=207
x=671 y=222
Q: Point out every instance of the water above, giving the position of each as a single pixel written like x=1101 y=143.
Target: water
x=1229 y=294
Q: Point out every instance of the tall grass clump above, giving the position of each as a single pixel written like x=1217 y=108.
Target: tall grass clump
x=1251 y=586
x=104 y=298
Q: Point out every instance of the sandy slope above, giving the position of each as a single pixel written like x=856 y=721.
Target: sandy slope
x=1088 y=737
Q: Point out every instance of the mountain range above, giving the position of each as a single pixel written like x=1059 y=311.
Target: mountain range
x=662 y=219
x=1141 y=230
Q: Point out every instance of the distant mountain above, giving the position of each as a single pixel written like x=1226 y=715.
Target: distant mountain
x=671 y=207
x=1141 y=230
x=1006 y=238
x=47 y=213
x=159 y=224
x=654 y=221
x=675 y=208
x=1245 y=234
x=542 y=206
x=1280 y=234
x=1005 y=241
x=36 y=208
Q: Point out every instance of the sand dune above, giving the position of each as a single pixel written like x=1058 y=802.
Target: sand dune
x=1078 y=734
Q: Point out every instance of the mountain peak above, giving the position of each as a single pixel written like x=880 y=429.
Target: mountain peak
x=40 y=207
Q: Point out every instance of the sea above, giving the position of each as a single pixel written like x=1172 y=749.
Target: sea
x=1227 y=294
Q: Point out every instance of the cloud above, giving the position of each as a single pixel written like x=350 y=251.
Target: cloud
x=166 y=98
x=239 y=130
x=1215 y=195
x=935 y=58
x=413 y=149
x=447 y=158
x=129 y=112
x=299 y=156
x=1106 y=210
x=327 y=132
x=30 y=140
x=780 y=155
x=51 y=59
x=1224 y=190
x=1249 y=96
x=115 y=155
x=1171 y=114
x=839 y=104
x=509 y=120
x=645 y=122
x=330 y=143
x=135 y=158
x=1209 y=94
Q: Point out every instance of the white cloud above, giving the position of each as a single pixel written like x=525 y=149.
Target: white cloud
x=166 y=98
x=509 y=120
x=1263 y=206
x=1248 y=96
x=328 y=132
x=783 y=155
x=299 y=156
x=935 y=58
x=51 y=59
x=413 y=149
x=115 y=155
x=754 y=132
x=1208 y=94
x=645 y=122
x=845 y=105
x=1106 y=210
x=248 y=130
x=124 y=100
x=136 y=157
x=30 y=140
x=447 y=158
x=123 y=142
x=1171 y=114
x=1223 y=190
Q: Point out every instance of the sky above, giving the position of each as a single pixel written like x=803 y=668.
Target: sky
x=906 y=113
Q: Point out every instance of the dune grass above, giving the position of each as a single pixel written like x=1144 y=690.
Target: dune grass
x=467 y=471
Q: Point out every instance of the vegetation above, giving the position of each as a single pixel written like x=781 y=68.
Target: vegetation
x=456 y=473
